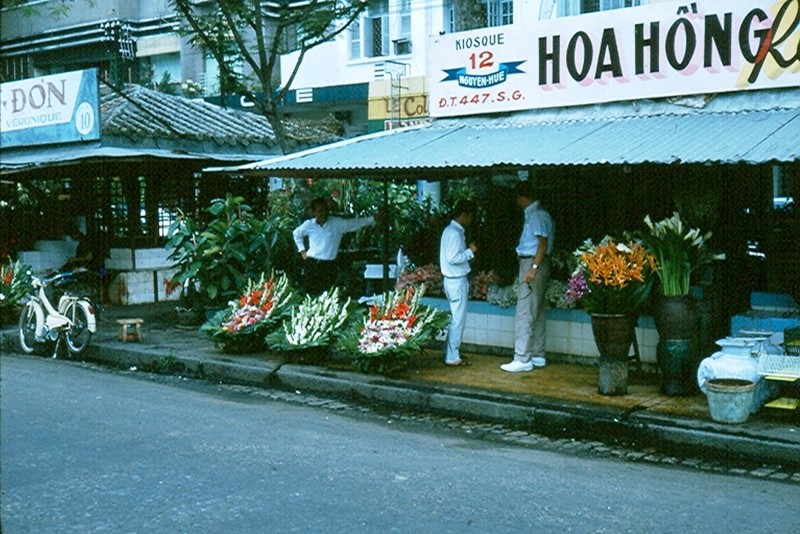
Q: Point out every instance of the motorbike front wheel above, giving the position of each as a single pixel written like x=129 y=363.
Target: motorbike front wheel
x=29 y=321
x=78 y=336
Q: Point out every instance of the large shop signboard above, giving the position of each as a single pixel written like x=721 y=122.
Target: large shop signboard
x=658 y=50
x=60 y=108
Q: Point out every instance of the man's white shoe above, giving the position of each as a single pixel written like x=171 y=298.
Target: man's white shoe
x=517 y=367
x=539 y=361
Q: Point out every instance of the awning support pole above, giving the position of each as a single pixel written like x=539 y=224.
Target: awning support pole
x=385 y=246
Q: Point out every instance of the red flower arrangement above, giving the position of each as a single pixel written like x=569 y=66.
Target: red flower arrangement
x=243 y=325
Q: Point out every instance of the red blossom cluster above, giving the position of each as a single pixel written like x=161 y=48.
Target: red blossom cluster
x=400 y=310
x=170 y=286
x=262 y=297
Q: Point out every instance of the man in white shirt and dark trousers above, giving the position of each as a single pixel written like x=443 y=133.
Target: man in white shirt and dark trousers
x=454 y=258
x=324 y=234
x=535 y=245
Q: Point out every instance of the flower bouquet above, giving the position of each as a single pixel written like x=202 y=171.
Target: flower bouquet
x=611 y=282
x=242 y=326
x=503 y=296
x=428 y=275
x=311 y=328
x=612 y=277
x=15 y=284
x=679 y=250
x=392 y=330
x=479 y=284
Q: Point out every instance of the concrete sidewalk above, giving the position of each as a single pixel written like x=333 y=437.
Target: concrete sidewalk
x=560 y=400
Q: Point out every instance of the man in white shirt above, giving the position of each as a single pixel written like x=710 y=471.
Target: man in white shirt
x=324 y=234
x=535 y=244
x=454 y=258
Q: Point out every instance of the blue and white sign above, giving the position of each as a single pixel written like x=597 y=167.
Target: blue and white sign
x=61 y=108
x=662 y=49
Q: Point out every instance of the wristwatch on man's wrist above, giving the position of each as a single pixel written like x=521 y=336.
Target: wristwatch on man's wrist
x=534 y=266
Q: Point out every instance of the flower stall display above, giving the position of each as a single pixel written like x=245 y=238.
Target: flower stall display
x=556 y=294
x=428 y=275
x=242 y=326
x=15 y=284
x=392 y=330
x=679 y=251
x=312 y=327
x=612 y=277
x=611 y=283
x=479 y=283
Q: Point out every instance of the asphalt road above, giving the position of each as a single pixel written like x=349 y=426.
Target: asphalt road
x=90 y=450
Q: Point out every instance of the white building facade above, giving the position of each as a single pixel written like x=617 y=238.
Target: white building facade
x=384 y=56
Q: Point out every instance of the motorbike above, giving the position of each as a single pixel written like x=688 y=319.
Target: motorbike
x=42 y=325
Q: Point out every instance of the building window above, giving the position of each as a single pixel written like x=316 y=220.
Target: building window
x=499 y=12
x=376 y=30
x=355 y=40
x=464 y=15
x=404 y=7
x=369 y=37
x=17 y=68
x=449 y=17
x=568 y=8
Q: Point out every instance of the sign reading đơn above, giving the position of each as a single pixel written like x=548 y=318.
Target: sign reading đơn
x=60 y=108
x=658 y=50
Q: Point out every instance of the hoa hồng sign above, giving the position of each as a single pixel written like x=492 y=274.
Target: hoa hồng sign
x=50 y=109
x=658 y=50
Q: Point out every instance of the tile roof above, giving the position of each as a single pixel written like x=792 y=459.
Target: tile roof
x=139 y=114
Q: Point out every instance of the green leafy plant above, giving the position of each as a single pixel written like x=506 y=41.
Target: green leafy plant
x=216 y=260
x=392 y=330
x=15 y=284
x=244 y=324
x=679 y=251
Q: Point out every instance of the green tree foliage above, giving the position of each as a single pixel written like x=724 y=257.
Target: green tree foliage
x=247 y=38
x=56 y=9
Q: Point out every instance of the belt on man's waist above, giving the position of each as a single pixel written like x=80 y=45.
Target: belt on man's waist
x=321 y=261
x=524 y=257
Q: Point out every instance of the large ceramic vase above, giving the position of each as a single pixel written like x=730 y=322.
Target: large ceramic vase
x=676 y=323
x=613 y=334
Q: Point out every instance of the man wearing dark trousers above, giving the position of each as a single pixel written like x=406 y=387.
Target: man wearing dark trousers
x=324 y=234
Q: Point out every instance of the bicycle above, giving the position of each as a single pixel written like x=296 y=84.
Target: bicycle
x=40 y=324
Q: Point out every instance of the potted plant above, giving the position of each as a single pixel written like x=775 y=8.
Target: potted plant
x=679 y=251
x=311 y=328
x=394 y=328
x=244 y=324
x=215 y=260
x=611 y=282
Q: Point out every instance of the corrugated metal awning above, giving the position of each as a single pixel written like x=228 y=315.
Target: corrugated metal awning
x=750 y=127
x=17 y=162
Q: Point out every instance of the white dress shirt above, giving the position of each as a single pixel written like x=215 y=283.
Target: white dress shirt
x=538 y=223
x=323 y=240
x=454 y=255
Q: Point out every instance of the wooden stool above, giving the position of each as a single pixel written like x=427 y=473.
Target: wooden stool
x=126 y=336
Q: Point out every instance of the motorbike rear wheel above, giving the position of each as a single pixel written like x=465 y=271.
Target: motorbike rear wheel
x=78 y=336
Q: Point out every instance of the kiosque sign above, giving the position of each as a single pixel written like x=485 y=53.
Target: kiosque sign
x=50 y=109
x=664 y=49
